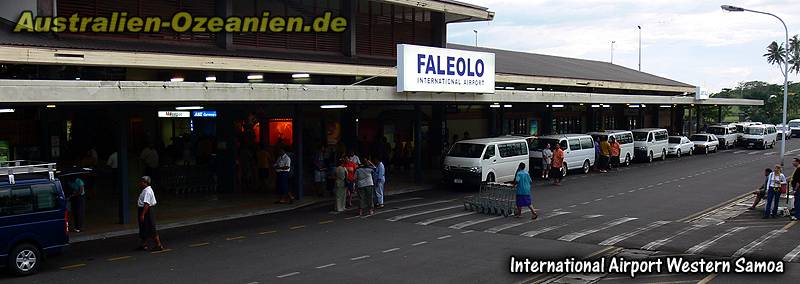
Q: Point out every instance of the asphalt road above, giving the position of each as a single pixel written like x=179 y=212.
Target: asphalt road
x=645 y=210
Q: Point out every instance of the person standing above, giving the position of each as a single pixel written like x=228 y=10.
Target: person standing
x=366 y=188
x=605 y=155
x=380 y=180
x=113 y=163
x=78 y=202
x=282 y=167
x=795 y=182
x=340 y=188
x=147 y=223
x=523 y=181
x=615 y=153
x=547 y=158
x=774 y=183
x=761 y=193
x=555 y=166
x=350 y=181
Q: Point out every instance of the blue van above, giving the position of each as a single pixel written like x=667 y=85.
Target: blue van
x=33 y=216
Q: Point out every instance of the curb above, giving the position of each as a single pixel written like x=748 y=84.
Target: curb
x=192 y=222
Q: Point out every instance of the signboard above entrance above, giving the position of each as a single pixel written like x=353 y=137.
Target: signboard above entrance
x=173 y=114
x=431 y=69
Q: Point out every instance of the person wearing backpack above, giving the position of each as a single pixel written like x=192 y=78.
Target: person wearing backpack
x=775 y=181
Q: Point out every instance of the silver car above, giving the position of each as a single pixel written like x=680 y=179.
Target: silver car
x=705 y=143
x=679 y=145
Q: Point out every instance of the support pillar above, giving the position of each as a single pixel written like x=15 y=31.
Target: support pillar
x=418 y=144
x=492 y=114
x=298 y=168
x=547 y=121
x=719 y=114
x=656 y=119
x=698 y=118
x=121 y=181
x=691 y=122
x=435 y=134
x=226 y=156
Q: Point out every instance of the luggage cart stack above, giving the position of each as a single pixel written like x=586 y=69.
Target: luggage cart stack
x=493 y=199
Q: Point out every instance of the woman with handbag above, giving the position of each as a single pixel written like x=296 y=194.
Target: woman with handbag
x=775 y=184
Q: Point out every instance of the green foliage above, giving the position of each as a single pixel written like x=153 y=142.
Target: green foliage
x=771 y=94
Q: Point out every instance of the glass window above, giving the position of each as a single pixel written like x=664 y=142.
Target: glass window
x=563 y=144
x=586 y=143
x=794 y=124
x=640 y=136
x=699 y=138
x=661 y=136
x=522 y=148
x=506 y=150
x=755 y=131
x=539 y=144
x=674 y=140
x=466 y=150
x=575 y=144
x=45 y=195
x=21 y=200
x=716 y=130
x=627 y=138
x=489 y=152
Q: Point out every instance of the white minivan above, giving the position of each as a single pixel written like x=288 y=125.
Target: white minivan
x=762 y=136
x=650 y=143
x=488 y=159
x=578 y=151
x=625 y=139
x=794 y=125
x=726 y=134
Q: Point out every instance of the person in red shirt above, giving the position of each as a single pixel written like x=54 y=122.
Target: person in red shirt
x=555 y=167
x=615 y=149
x=351 y=178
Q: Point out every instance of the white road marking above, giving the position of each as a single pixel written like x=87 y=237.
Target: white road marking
x=592 y=216
x=576 y=235
x=288 y=274
x=658 y=243
x=360 y=257
x=411 y=206
x=598 y=199
x=442 y=218
x=792 y=255
x=753 y=153
x=650 y=186
x=409 y=215
x=758 y=242
x=739 y=152
x=707 y=243
x=621 y=237
x=660 y=184
x=541 y=231
x=443 y=237
x=391 y=250
x=587 y=202
x=419 y=243
x=499 y=228
x=770 y=153
x=467 y=231
x=326 y=266
x=611 y=196
x=478 y=221
x=571 y=206
x=557 y=209
x=631 y=191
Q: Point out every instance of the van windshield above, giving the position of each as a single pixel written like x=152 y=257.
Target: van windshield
x=794 y=124
x=755 y=131
x=640 y=136
x=539 y=144
x=716 y=130
x=701 y=138
x=466 y=150
x=674 y=140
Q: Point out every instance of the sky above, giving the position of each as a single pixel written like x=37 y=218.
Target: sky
x=692 y=41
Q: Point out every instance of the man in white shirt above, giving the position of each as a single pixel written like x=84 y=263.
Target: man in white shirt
x=147 y=223
x=282 y=167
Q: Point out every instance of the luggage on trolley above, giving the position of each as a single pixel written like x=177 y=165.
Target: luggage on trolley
x=493 y=199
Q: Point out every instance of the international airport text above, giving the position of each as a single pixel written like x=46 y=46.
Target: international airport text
x=619 y=265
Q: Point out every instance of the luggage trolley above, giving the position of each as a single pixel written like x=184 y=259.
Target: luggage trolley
x=493 y=199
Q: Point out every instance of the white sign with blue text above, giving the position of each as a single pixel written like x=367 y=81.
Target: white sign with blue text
x=431 y=69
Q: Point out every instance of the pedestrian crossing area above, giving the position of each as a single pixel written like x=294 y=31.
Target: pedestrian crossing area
x=771 y=239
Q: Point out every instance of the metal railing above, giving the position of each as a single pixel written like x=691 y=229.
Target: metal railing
x=18 y=167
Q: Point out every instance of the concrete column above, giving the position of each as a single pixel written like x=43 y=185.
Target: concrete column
x=439 y=32
x=121 y=178
x=349 y=42
x=547 y=121
x=690 y=131
x=492 y=117
x=698 y=117
x=298 y=168
x=226 y=154
x=620 y=121
x=719 y=114
x=591 y=120
x=224 y=8
x=435 y=133
x=656 y=112
x=418 y=144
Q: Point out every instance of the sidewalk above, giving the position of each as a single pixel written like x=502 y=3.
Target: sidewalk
x=180 y=211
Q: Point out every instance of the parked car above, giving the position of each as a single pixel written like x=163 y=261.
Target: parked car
x=741 y=129
x=705 y=142
x=33 y=216
x=794 y=126
x=762 y=136
x=726 y=134
x=625 y=139
x=783 y=131
x=650 y=143
x=578 y=151
x=489 y=159
x=679 y=145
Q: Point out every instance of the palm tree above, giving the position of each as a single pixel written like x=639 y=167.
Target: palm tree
x=776 y=55
x=794 y=54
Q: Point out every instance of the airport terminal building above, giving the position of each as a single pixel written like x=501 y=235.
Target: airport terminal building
x=208 y=102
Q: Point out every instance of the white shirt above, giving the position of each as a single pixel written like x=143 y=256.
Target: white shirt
x=283 y=161
x=355 y=159
x=775 y=181
x=112 y=161
x=147 y=196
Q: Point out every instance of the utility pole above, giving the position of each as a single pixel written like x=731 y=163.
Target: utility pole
x=640 y=48
x=612 y=51
x=476 y=37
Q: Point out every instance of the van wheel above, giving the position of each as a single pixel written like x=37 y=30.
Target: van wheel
x=564 y=170
x=706 y=150
x=678 y=153
x=627 y=160
x=650 y=157
x=586 y=167
x=691 y=151
x=490 y=177
x=25 y=259
x=664 y=155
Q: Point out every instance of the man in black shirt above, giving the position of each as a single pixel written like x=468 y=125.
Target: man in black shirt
x=795 y=182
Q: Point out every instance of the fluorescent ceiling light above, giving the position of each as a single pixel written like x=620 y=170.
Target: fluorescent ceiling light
x=557 y=106
x=509 y=88
x=666 y=106
x=255 y=77
x=6 y=110
x=77 y=78
x=499 y=88
x=495 y=105
x=51 y=106
x=333 y=107
x=211 y=78
x=176 y=79
x=507 y=105
x=606 y=106
x=188 y=108
x=301 y=75
x=633 y=106
x=595 y=106
x=530 y=89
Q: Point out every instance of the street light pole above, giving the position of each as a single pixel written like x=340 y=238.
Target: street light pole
x=785 y=69
x=476 y=37
x=612 y=51
x=640 y=48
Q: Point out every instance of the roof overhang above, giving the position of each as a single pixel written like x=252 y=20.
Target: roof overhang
x=150 y=60
x=454 y=11
x=62 y=91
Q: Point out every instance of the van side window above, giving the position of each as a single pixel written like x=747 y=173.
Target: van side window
x=522 y=148
x=563 y=144
x=489 y=152
x=512 y=149
x=586 y=143
x=661 y=136
x=45 y=196
x=626 y=138
x=575 y=144
x=21 y=201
